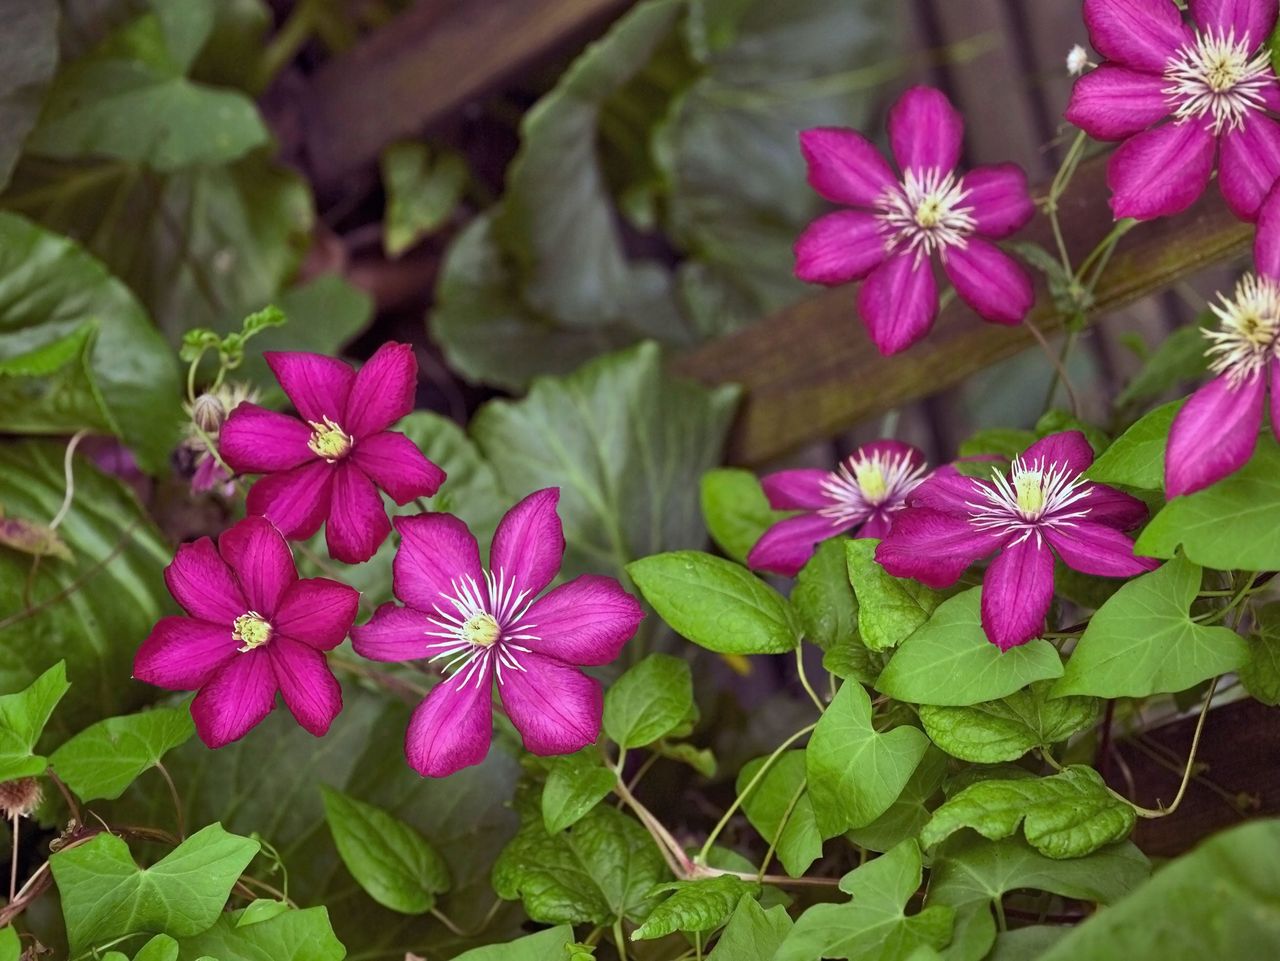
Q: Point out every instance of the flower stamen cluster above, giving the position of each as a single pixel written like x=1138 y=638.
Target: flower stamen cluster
x=1248 y=333
x=1033 y=494
x=1216 y=76
x=866 y=481
x=926 y=213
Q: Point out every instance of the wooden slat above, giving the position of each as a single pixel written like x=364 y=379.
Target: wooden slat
x=810 y=371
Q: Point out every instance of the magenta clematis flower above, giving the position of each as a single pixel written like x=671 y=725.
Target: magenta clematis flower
x=862 y=494
x=898 y=225
x=491 y=625
x=1212 y=79
x=330 y=464
x=253 y=628
x=1043 y=507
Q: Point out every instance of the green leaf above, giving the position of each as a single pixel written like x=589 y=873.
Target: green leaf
x=29 y=51
x=1067 y=815
x=575 y=784
x=874 y=924
x=1227 y=526
x=649 y=701
x=50 y=389
x=1056 y=421
x=716 y=603
x=303 y=935
x=1143 y=640
x=549 y=945
x=856 y=773
x=160 y=948
x=824 y=599
x=105 y=758
x=950 y=662
x=752 y=934
x=1003 y=442
x=394 y=864
x=890 y=609
x=781 y=796
x=23 y=717
x=105 y=895
x=735 y=510
x=10 y=946
x=1260 y=672
x=1136 y=457
x=696 y=906
x=423 y=188
x=701 y=759
x=1006 y=729
x=1179 y=358
x=909 y=813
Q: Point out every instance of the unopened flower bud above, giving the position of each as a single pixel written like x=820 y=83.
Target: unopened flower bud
x=19 y=798
x=208 y=413
x=1077 y=60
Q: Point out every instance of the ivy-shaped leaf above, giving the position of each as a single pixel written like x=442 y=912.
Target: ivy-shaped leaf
x=753 y=933
x=890 y=609
x=23 y=717
x=277 y=935
x=1260 y=673
x=1006 y=729
x=1136 y=457
x=780 y=801
x=105 y=758
x=553 y=944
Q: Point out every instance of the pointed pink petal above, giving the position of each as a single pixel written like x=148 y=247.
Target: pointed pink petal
x=357 y=523
x=925 y=131
x=452 y=728
x=1068 y=448
x=1016 y=593
x=998 y=198
x=949 y=492
x=797 y=489
x=383 y=391
x=316 y=385
x=258 y=441
x=262 y=562
x=181 y=653
x=395 y=464
x=435 y=551
x=1161 y=171
x=1274 y=369
x=844 y=167
x=1114 y=102
x=199 y=580
x=296 y=501
x=318 y=612
x=585 y=621
x=898 y=302
x=311 y=692
x=787 y=546
x=393 y=634
x=1249 y=165
x=1269 y=94
x=840 y=247
x=989 y=281
x=1142 y=34
x=1266 y=241
x=1251 y=20
x=878 y=524
x=237 y=698
x=529 y=543
x=893 y=449
x=1213 y=435
x=933 y=547
x=555 y=707
x=1095 y=549
x=1111 y=507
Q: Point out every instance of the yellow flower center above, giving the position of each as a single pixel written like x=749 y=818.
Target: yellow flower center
x=251 y=630
x=481 y=629
x=871 y=480
x=1030 y=492
x=329 y=441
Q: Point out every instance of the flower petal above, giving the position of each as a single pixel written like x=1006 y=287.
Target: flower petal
x=989 y=281
x=840 y=247
x=949 y=492
x=1249 y=165
x=845 y=167
x=317 y=386
x=318 y=612
x=1112 y=508
x=998 y=198
x=529 y=543
x=396 y=465
x=1016 y=592
x=925 y=131
x=787 y=546
x=238 y=697
x=1095 y=549
x=1114 y=102
x=393 y=634
x=1142 y=34
x=1161 y=171
x=181 y=653
x=1213 y=435
x=797 y=489
x=357 y=523
x=311 y=692
x=452 y=728
x=933 y=547
x=199 y=580
x=296 y=501
x=878 y=524
x=383 y=390
x=1251 y=20
x=556 y=708
x=1266 y=241
x=585 y=621
x=262 y=562
x=898 y=302
x=259 y=441
x=435 y=551
x=1067 y=448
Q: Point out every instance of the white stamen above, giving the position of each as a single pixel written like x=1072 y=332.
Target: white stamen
x=926 y=213
x=1032 y=496
x=481 y=628
x=1077 y=60
x=860 y=485
x=1216 y=76
x=1248 y=333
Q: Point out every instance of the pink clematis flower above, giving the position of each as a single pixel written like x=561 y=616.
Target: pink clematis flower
x=1212 y=78
x=1216 y=431
x=898 y=225
x=488 y=626
x=329 y=464
x=862 y=495
x=253 y=628
x=1043 y=507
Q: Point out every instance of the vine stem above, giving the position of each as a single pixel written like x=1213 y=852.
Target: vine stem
x=1059 y=367
x=177 y=801
x=620 y=939
x=782 y=826
x=13 y=862
x=804 y=680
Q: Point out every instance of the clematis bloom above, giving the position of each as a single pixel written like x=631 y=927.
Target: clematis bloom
x=898 y=225
x=1212 y=79
x=487 y=626
x=328 y=465
x=862 y=495
x=1041 y=508
x=252 y=629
